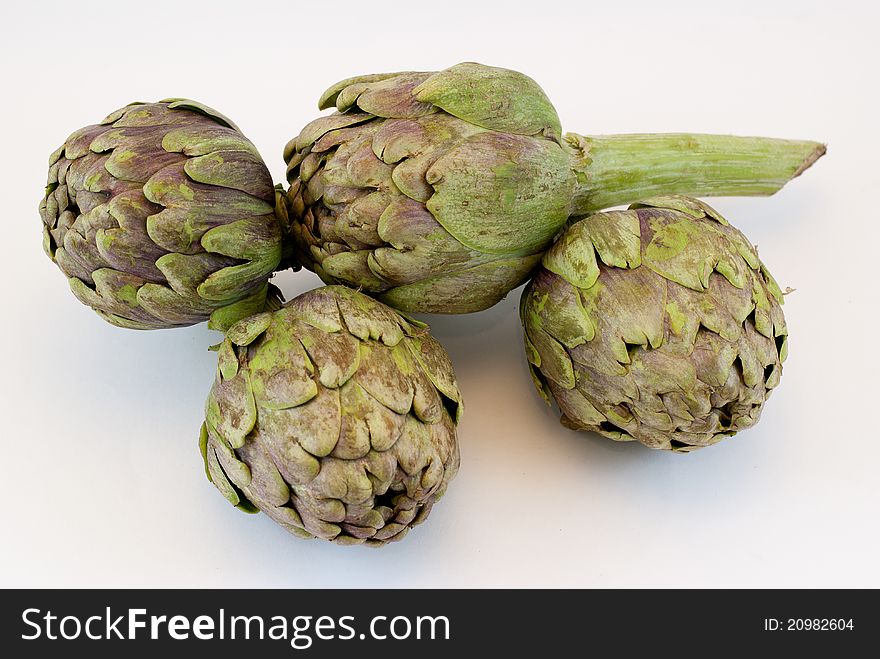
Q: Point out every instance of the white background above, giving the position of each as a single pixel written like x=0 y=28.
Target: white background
x=103 y=484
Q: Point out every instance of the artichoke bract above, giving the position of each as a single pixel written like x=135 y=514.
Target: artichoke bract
x=163 y=215
x=658 y=323
x=438 y=192
x=335 y=416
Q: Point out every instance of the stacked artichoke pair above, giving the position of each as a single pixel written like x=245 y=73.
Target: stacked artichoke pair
x=434 y=192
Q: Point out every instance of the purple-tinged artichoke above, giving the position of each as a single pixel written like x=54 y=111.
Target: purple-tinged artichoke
x=438 y=192
x=163 y=215
x=657 y=324
x=335 y=416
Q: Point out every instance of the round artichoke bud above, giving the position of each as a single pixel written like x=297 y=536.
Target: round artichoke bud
x=438 y=192
x=163 y=215
x=658 y=323
x=335 y=416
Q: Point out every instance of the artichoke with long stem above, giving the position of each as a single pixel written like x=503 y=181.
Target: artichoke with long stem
x=438 y=192
x=658 y=324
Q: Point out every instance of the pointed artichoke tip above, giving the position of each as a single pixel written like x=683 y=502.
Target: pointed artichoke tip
x=818 y=150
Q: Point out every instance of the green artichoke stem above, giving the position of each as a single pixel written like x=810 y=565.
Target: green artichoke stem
x=620 y=169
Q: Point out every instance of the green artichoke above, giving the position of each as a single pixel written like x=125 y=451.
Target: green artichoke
x=335 y=416
x=657 y=324
x=163 y=215
x=438 y=192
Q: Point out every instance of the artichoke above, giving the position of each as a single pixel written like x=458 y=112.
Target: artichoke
x=163 y=215
x=335 y=416
x=438 y=192
x=657 y=324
